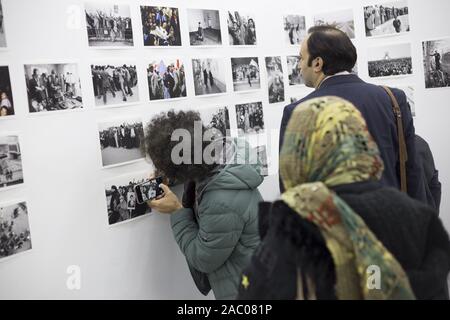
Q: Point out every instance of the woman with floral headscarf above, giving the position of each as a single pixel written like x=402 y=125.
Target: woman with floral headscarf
x=337 y=233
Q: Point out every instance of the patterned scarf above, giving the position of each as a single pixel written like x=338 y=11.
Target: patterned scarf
x=327 y=144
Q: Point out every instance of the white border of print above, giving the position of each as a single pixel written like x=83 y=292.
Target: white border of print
x=55 y=112
x=121 y=104
x=9 y=203
x=19 y=138
x=388 y=35
x=209 y=45
x=422 y=67
x=135 y=173
x=226 y=71
x=100 y=147
x=245 y=11
x=260 y=80
x=84 y=25
x=396 y=76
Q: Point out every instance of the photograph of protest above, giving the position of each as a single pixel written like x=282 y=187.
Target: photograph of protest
x=15 y=236
x=343 y=20
x=209 y=76
x=393 y=60
x=53 y=87
x=108 y=25
x=261 y=152
x=294 y=29
x=11 y=173
x=120 y=141
x=249 y=118
x=241 y=29
x=2 y=28
x=115 y=83
x=275 y=81
x=160 y=26
x=6 y=97
x=121 y=199
x=166 y=79
x=387 y=18
x=217 y=118
x=204 y=27
x=245 y=73
x=436 y=63
x=294 y=76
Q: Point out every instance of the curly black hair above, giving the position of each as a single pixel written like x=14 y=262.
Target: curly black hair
x=158 y=145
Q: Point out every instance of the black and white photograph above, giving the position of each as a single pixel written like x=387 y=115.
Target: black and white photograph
x=387 y=61
x=294 y=29
x=121 y=199
x=209 y=76
x=409 y=92
x=436 y=63
x=160 y=26
x=6 y=97
x=2 y=28
x=275 y=81
x=342 y=20
x=245 y=74
x=241 y=28
x=388 y=18
x=249 y=118
x=115 y=83
x=166 y=79
x=15 y=236
x=108 y=25
x=204 y=27
x=294 y=76
x=53 y=87
x=261 y=152
x=216 y=118
x=120 y=141
x=11 y=173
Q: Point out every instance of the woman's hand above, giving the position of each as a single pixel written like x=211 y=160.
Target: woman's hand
x=169 y=203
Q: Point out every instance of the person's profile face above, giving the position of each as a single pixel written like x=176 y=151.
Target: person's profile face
x=306 y=72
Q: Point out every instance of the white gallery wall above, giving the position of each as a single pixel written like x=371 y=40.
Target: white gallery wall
x=62 y=165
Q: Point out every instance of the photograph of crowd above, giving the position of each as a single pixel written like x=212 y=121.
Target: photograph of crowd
x=108 y=25
x=275 y=82
x=261 y=152
x=120 y=141
x=160 y=26
x=15 y=236
x=249 y=118
x=216 y=118
x=436 y=63
x=343 y=20
x=166 y=79
x=6 y=98
x=121 y=199
x=204 y=27
x=386 y=18
x=11 y=173
x=53 y=87
x=241 y=29
x=295 y=78
x=2 y=28
x=209 y=76
x=114 y=84
x=294 y=29
x=245 y=73
x=394 y=60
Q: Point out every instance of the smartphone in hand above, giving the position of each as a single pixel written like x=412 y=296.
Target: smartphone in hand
x=148 y=190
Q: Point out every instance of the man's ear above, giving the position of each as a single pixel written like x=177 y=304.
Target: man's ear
x=318 y=64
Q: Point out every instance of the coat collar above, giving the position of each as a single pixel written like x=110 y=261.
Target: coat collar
x=338 y=80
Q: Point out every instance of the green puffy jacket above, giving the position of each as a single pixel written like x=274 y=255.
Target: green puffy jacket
x=221 y=243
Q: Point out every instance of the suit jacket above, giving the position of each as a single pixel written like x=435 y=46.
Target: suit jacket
x=376 y=107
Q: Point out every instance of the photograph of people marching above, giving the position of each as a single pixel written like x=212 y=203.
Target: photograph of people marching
x=245 y=73
x=53 y=87
x=121 y=198
x=386 y=18
x=15 y=236
x=115 y=84
x=275 y=81
x=160 y=26
x=204 y=27
x=394 y=60
x=108 y=24
x=166 y=79
x=436 y=63
x=241 y=29
x=10 y=161
x=209 y=76
x=6 y=98
x=120 y=141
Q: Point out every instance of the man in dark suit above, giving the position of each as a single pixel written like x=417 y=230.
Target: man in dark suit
x=327 y=57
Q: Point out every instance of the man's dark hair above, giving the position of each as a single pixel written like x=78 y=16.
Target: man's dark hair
x=158 y=145
x=334 y=47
